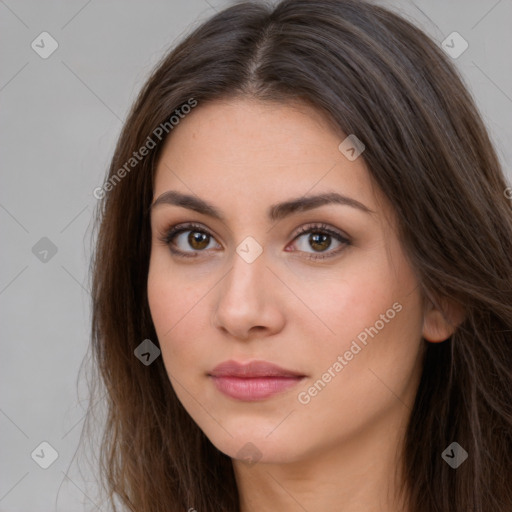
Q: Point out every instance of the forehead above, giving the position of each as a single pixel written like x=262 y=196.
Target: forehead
x=259 y=152
x=233 y=130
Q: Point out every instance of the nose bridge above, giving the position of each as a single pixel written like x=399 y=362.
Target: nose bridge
x=247 y=273
x=243 y=298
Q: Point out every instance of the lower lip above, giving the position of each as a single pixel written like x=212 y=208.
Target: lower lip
x=257 y=388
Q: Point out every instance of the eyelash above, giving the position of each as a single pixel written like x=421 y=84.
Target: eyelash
x=323 y=229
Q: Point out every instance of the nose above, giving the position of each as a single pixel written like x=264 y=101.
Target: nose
x=248 y=300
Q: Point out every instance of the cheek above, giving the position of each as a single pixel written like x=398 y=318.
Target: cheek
x=353 y=297
x=373 y=312
x=377 y=325
x=170 y=292
x=171 y=303
x=161 y=297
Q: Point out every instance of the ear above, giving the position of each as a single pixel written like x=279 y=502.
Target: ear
x=440 y=320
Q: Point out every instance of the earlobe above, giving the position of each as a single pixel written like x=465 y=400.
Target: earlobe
x=440 y=322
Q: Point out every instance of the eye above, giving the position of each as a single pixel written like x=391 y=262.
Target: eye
x=182 y=237
x=320 y=239
x=198 y=238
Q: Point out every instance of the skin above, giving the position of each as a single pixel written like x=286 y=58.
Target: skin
x=341 y=449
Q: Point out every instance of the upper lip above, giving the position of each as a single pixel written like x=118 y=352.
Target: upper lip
x=252 y=369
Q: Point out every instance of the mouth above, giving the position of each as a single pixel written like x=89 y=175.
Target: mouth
x=256 y=380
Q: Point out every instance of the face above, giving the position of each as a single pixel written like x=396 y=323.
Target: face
x=250 y=274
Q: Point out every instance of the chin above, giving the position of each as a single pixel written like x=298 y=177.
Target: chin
x=252 y=446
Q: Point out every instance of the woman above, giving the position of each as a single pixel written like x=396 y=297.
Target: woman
x=302 y=289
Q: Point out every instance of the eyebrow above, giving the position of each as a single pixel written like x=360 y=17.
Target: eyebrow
x=275 y=212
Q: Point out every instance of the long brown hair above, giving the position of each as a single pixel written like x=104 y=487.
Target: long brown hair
x=375 y=75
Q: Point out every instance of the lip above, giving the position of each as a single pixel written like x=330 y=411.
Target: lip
x=252 y=369
x=252 y=381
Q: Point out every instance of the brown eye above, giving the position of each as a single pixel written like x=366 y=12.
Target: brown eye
x=198 y=240
x=191 y=240
x=319 y=241
x=181 y=244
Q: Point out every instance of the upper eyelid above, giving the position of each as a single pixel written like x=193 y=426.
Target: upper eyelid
x=321 y=226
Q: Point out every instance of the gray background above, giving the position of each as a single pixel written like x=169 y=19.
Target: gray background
x=60 y=118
